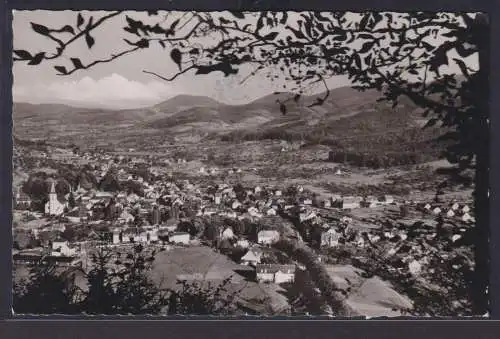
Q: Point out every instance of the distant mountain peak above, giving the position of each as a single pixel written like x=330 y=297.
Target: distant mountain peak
x=183 y=101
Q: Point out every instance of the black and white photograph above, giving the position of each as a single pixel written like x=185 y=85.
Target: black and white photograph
x=242 y=164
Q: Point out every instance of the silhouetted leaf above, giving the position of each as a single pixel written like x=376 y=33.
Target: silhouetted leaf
x=40 y=29
x=25 y=55
x=463 y=66
x=89 y=40
x=61 y=69
x=174 y=24
x=368 y=59
x=357 y=61
x=427 y=46
x=298 y=34
x=157 y=29
x=143 y=43
x=176 y=57
x=296 y=97
x=320 y=17
x=366 y=47
x=37 y=59
x=162 y=44
x=364 y=21
x=77 y=63
x=270 y=36
x=90 y=23
x=132 y=30
x=79 y=20
x=284 y=18
x=224 y=21
x=260 y=24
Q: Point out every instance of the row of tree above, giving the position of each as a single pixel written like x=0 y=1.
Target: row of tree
x=118 y=283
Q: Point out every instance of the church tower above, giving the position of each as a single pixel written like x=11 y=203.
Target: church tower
x=53 y=202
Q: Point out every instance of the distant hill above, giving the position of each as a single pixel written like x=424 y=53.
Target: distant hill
x=348 y=120
x=184 y=102
x=263 y=111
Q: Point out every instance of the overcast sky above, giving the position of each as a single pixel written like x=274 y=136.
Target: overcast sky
x=120 y=84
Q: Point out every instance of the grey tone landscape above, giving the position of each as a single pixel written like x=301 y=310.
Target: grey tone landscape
x=198 y=205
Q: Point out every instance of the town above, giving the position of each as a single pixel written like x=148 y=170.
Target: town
x=72 y=202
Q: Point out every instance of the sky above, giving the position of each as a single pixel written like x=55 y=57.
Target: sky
x=120 y=84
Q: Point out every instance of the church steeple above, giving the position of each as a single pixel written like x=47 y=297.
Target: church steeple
x=53 y=188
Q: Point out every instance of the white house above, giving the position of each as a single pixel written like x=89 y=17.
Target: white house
x=227 y=233
x=62 y=248
x=415 y=267
x=330 y=238
x=388 y=199
x=252 y=257
x=243 y=243
x=455 y=206
x=278 y=274
x=350 y=203
x=436 y=211
x=360 y=242
x=271 y=212
x=450 y=213
x=179 y=238
x=217 y=199
x=307 y=216
x=103 y=195
x=268 y=237
x=466 y=217
x=74 y=220
x=254 y=212
x=125 y=216
x=465 y=209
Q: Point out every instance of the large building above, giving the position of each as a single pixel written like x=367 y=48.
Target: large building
x=54 y=206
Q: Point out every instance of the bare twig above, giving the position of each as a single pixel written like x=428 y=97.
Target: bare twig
x=172 y=77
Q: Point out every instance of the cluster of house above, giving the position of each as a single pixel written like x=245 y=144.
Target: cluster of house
x=461 y=211
x=60 y=252
x=141 y=218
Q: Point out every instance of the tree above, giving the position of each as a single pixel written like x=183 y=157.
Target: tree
x=71 y=200
x=110 y=183
x=403 y=55
x=117 y=284
x=47 y=291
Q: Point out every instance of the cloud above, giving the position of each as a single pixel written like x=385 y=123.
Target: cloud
x=114 y=90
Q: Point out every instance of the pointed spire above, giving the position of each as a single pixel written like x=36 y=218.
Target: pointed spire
x=53 y=187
